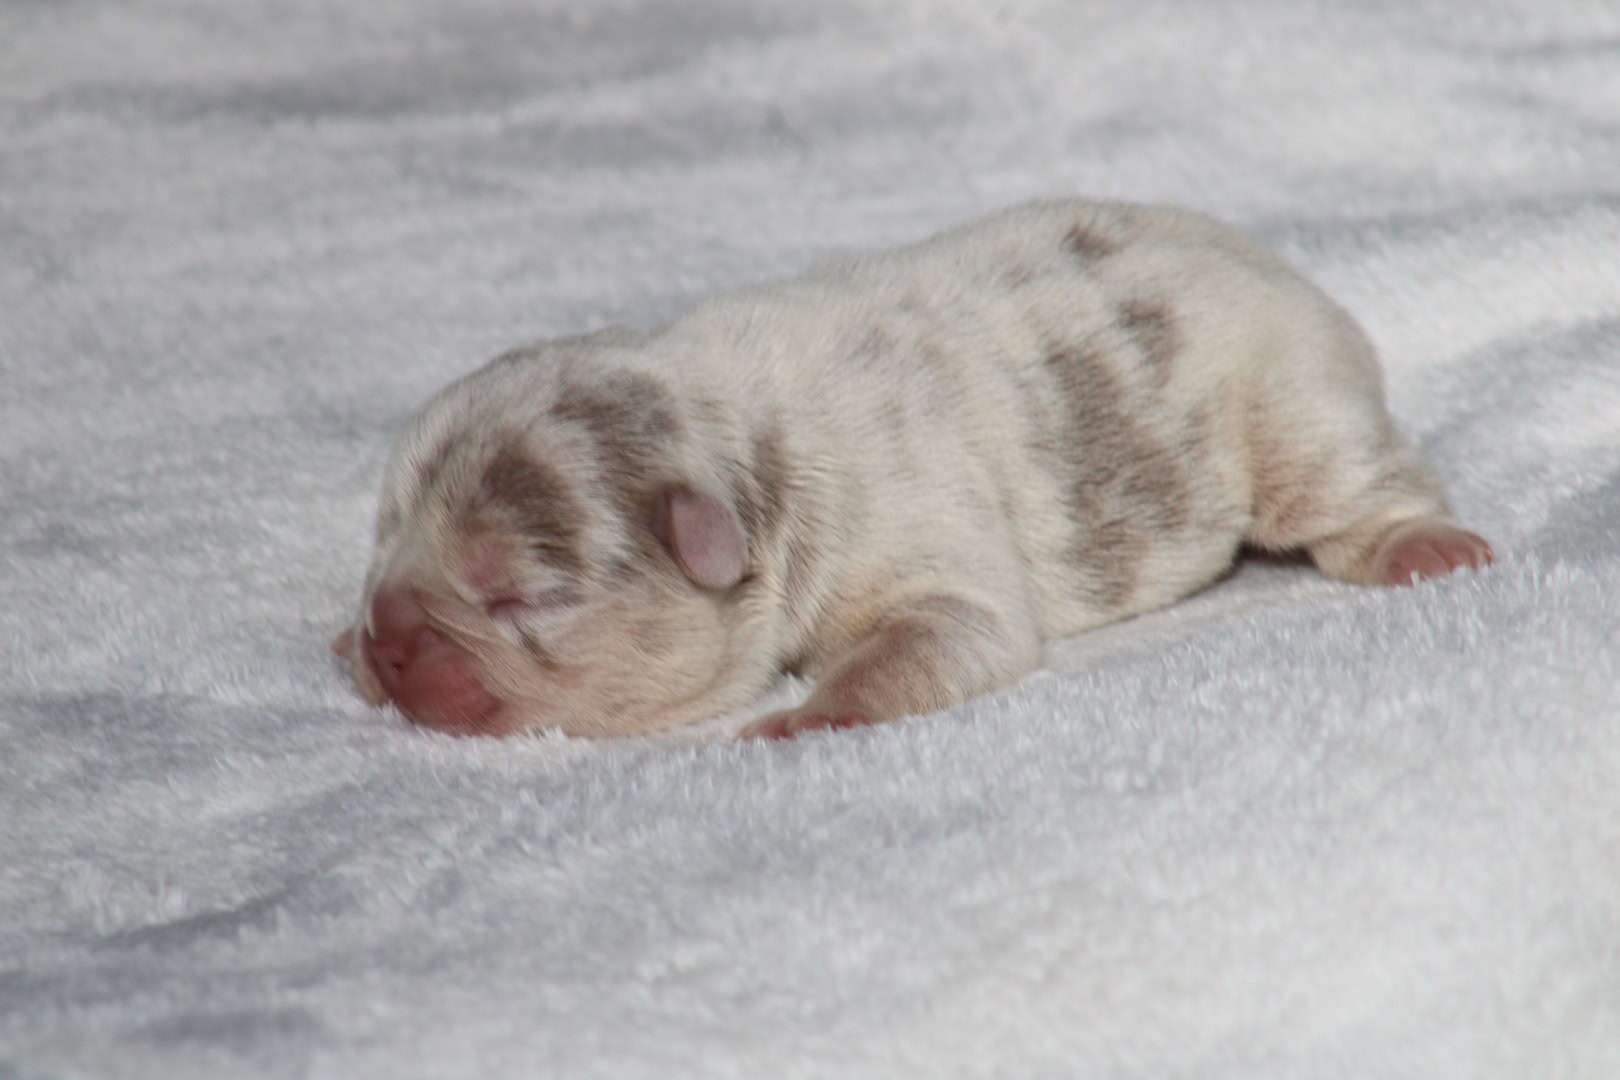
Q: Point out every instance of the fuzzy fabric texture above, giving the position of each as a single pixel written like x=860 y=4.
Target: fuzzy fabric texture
x=1286 y=829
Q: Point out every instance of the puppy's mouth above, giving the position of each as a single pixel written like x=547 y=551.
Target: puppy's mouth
x=432 y=680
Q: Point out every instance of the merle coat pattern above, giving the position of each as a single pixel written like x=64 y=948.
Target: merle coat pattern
x=896 y=474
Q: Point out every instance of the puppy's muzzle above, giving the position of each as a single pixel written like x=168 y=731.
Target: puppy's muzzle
x=433 y=681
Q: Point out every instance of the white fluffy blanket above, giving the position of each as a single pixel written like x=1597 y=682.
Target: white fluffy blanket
x=1287 y=829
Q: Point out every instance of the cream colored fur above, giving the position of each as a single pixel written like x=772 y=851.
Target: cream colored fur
x=1059 y=416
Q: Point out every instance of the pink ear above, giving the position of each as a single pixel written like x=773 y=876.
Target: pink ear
x=703 y=535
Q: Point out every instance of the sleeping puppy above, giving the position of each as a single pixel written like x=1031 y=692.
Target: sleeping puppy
x=895 y=475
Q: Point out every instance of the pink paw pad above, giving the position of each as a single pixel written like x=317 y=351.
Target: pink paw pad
x=1429 y=549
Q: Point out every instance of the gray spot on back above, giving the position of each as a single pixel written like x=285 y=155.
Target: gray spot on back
x=1087 y=245
x=1152 y=328
x=1122 y=486
x=1154 y=331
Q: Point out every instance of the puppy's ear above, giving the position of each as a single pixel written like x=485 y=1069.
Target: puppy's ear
x=702 y=534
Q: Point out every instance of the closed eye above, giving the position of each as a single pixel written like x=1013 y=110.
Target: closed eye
x=508 y=607
x=505 y=607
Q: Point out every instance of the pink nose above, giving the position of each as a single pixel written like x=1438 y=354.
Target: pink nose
x=397 y=622
x=431 y=679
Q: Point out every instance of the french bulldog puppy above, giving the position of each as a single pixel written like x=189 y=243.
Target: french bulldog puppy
x=895 y=475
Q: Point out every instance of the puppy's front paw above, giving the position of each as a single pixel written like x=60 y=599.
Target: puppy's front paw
x=789 y=723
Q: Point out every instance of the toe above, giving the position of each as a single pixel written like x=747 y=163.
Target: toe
x=1430 y=550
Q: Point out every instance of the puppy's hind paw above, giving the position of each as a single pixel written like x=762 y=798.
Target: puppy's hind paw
x=1427 y=549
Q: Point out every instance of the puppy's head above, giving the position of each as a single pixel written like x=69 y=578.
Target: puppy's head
x=556 y=549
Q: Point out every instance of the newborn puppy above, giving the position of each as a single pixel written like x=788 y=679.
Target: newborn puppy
x=896 y=475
